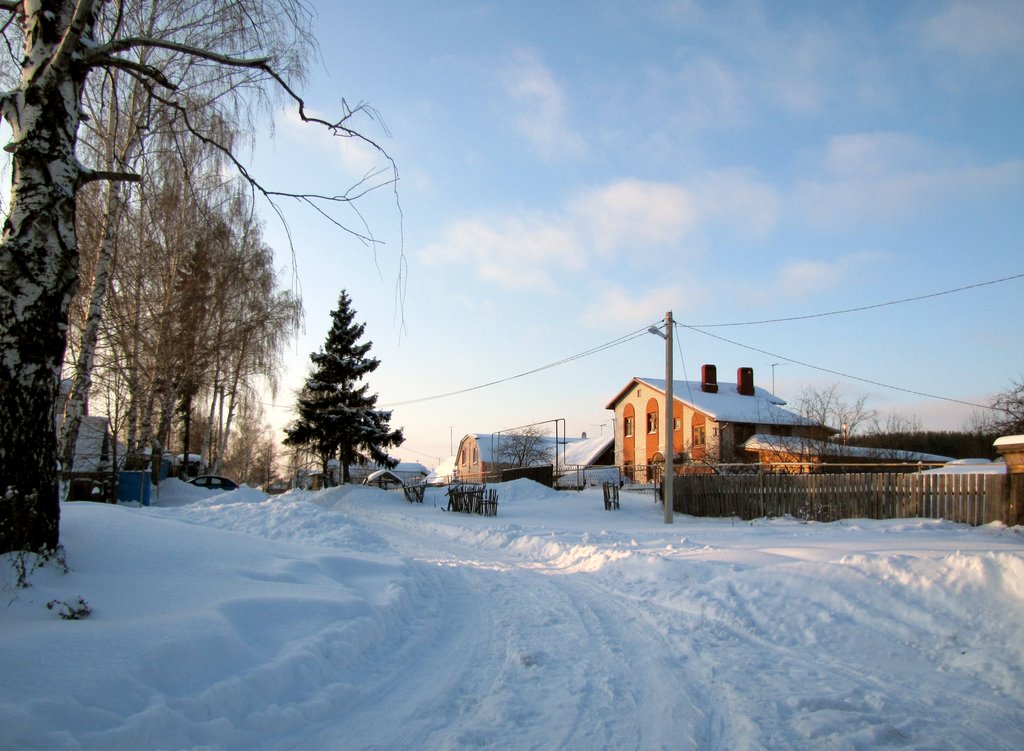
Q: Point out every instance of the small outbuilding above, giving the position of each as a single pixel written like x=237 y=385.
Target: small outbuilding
x=383 y=478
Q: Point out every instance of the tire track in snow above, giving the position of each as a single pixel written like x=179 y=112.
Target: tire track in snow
x=526 y=627
x=833 y=697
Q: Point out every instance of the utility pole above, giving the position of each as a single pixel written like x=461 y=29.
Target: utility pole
x=670 y=422
x=668 y=429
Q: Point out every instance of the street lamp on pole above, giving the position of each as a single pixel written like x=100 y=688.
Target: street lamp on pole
x=670 y=423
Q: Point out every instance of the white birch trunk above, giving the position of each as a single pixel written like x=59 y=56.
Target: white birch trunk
x=78 y=400
x=38 y=267
x=113 y=210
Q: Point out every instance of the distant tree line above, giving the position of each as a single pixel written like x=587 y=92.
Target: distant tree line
x=957 y=444
x=860 y=426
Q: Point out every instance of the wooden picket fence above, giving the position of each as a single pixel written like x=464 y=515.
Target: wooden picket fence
x=968 y=498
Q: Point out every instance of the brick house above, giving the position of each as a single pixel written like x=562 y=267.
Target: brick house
x=474 y=460
x=712 y=421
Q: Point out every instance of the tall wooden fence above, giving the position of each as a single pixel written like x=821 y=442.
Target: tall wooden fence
x=968 y=498
x=544 y=474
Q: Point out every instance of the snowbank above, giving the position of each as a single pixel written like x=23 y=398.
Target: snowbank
x=349 y=618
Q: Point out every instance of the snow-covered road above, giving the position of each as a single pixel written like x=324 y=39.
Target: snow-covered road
x=349 y=619
x=584 y=640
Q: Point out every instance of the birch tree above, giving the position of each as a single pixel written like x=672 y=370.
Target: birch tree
x=231 y=53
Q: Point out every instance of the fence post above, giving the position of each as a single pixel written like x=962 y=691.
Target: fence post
x=1015 y=501
x=760 y=494
x=996 y=499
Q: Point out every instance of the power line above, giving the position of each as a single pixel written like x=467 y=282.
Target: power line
x=414 y=451
x=858 y=309
x=700 y=329
x=834 y=372
x=594 y=350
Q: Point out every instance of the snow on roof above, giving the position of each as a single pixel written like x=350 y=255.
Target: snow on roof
x=728 y=404
x=578 y=451
x=584 y=451
x=177 y=458
x=381 y=473
x=797 y=445
x=483 y=442
x=410 y=468
x=443 y=472
x=970 y=467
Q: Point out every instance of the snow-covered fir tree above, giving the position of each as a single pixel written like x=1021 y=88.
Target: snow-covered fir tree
x=337 y=418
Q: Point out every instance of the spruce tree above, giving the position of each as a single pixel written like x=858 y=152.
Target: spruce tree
x=336 y=413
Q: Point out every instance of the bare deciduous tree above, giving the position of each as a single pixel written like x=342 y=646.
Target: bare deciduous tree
x=190 y=57
x=523 y=447
x=888 y=436
x=826 y=406
x=1008 y=407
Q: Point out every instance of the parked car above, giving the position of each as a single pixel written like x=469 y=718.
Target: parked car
x=214 y=482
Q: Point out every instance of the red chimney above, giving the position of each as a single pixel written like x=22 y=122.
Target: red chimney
x=709 y=379
x=745 y=381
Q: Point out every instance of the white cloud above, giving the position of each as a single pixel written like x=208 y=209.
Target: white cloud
x=873 y=154
x=617 y=307
x=512 y=252
x=711 y=94
x=747 y=204
x=606 y=223
x=537 y=107
x=798 y=278
x=809 y=278
x=977 y=30
x=900 y=195
x=892 y=176
x=631 y=213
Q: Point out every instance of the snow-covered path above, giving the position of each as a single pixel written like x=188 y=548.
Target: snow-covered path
x=349 y=619
x=673 y=649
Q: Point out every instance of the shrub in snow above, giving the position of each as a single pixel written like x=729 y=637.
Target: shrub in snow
x=74 y=611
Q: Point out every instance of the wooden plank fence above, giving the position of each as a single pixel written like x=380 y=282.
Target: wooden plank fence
x=970 y=498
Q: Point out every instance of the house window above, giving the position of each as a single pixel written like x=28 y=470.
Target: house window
x=677 y=424
x=475 y=455
x=627 y=426
x=652 y=422
x=698 y=435
x=742 y=431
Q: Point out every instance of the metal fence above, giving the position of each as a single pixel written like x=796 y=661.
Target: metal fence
x=579 y=477
x=970 y=498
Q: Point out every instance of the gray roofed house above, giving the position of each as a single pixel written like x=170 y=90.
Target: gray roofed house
x=712 y=420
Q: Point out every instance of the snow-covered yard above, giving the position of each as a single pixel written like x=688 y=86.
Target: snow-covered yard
x=351 y=619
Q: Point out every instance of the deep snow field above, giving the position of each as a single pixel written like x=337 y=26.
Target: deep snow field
x=351 y=619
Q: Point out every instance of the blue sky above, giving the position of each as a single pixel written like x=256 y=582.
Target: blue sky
x=571 y=171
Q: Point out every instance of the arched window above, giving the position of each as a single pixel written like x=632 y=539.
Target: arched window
x=628 y=435
x=652 y=417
